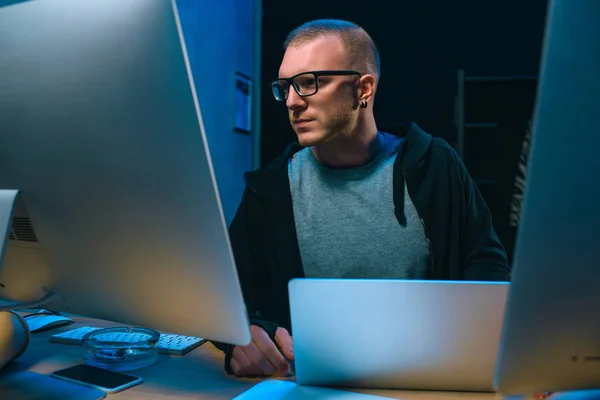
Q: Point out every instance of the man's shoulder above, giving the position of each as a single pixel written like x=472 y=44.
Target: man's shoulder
x=280 y=162
x=444 y=158
x=274 y=170
x=442 y=148
x=421 y=146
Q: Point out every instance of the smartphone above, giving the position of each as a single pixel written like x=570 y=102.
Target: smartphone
x=98 y=378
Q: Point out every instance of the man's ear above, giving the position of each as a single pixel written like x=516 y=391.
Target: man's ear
x=366 y=88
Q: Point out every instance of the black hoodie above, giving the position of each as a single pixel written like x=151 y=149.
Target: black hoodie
x=458 y=226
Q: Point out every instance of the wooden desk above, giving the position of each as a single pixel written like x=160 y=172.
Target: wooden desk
x=197 y=375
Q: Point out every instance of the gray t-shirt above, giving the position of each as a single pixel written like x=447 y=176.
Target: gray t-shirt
x=345 y=219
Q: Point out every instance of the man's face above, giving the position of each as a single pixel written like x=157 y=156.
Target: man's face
x=331 y=111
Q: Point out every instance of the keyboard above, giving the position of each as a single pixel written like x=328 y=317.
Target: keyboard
x=168 y=343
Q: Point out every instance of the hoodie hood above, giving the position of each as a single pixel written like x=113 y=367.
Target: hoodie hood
x=416 y=144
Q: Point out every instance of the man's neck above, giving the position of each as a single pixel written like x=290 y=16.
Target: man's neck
x=349 y=151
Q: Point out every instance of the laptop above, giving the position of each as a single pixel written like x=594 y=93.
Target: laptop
x=396 y=334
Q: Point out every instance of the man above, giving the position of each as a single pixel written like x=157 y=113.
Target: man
x=348 y=201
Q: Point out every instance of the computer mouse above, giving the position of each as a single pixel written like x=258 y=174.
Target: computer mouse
x=39 y=323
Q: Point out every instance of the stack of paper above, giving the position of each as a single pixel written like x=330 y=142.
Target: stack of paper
x=273 y=389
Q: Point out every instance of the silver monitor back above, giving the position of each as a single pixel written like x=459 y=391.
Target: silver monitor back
x=551 y=333
x=102 y=134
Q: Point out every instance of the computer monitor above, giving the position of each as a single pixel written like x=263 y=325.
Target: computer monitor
x=551 y=331
x=102 y=135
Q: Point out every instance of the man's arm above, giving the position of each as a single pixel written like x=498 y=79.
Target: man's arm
x=485 y=255
x=246 y=225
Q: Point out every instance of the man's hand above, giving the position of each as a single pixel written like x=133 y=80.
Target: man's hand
x=262 y=357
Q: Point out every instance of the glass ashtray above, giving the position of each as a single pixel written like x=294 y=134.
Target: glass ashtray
x=121 y=348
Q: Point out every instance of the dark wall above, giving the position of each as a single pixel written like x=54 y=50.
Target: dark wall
x=229 y=24
x=422 y=44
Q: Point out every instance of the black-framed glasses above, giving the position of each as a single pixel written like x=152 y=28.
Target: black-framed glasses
x=305 y=83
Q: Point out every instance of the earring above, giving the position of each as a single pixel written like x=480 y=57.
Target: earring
x=363 y=104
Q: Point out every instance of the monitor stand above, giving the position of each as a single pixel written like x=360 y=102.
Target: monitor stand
x=8 y=199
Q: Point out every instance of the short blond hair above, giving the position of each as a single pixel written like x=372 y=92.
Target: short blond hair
x=360 y=47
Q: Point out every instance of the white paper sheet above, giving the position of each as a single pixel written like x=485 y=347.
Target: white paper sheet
x=273 y=389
